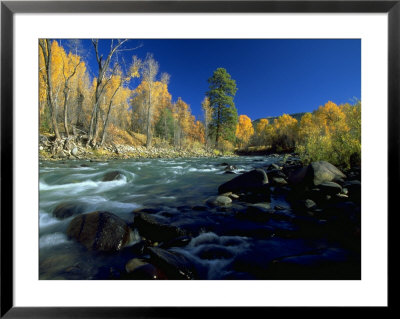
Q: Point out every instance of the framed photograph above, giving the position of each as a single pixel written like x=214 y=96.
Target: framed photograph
x=164 y=157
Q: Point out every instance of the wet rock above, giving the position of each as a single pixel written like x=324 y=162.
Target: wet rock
x=112 y=176
x=230 y=168
x=146 y=271
x=274 y=166
x=251 y=181
x=138 y=248
x=309 y=204
x=260 y=212
x=354 y=190
x=276 y=173
x=223 y=164
x=155 y=230
x=99 y=231
x=146 y=210
x=178 y=242
x=330 y=188
x=65 y=210
x=134 y=263
x=219 y=201
x=278 y=181
x=173 y=264
x=315 y=174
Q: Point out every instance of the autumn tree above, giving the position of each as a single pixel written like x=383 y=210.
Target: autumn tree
x=102 y=79
x=69 y=67
x=222 y=90
x=244 y=130
x=331 y=133
x=284 y=133
x=260 y=135
x=46 y=49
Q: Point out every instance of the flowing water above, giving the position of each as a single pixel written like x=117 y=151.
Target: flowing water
x=173 y=187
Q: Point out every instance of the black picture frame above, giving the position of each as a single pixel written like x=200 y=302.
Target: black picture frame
x=9 y=8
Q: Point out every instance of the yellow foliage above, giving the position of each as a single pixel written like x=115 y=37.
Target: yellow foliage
x=244 y=130
x=332 y=133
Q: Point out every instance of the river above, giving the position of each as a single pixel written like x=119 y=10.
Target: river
x=222 y=247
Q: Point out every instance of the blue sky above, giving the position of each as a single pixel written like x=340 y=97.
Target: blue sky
x=273 y=76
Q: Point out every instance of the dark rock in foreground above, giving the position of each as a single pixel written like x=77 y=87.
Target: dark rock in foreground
x=174 y=265
x=150 y=228
x=99 y=231
x=251 y=181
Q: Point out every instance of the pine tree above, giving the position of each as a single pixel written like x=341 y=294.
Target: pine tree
x=222 y=89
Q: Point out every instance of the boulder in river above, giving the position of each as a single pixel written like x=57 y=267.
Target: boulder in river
x=67 y=209
x=330 y=188
x=112 y=176
x=254 y=180
x=99 y=231
x=173 y=264
x=219 y=201
x=155 y=230
x=315 y=174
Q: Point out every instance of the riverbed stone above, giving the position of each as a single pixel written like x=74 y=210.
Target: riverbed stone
x=67 y=209
x=74 y=151
x=254 y=180
x=155 y=230
x=278 y=181
x=315 y=174
x=111 y=176
x=219 y=201
x=173 y=264
x=330 y=188
x=134 y=263
x=99 y=231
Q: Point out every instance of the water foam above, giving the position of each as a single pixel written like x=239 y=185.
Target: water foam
x=54 y=239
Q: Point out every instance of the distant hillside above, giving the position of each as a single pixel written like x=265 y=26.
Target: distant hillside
x=271 y=119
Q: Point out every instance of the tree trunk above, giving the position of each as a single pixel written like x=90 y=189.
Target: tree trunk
x=46 y=49
x=66 y=111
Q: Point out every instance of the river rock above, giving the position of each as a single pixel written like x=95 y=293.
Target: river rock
x=315 y=174
x=254 y=180
x=178 y=242
x=278 y=181
x=275 y=166
x=354 y=190
x=99 y=231
x=219 y=201
x=112 y=176
x=259 y=212
x=133 y=264
x=155 y=230
x=330 y=188
x=173 y=264
x=65 y=210
x=146 y=271
x=74 y=151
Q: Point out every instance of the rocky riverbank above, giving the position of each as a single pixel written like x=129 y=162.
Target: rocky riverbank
x=313 y=233
x=75 y=149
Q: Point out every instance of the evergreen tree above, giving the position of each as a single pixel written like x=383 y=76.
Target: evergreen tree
x=222 y=89
x=165 y=126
